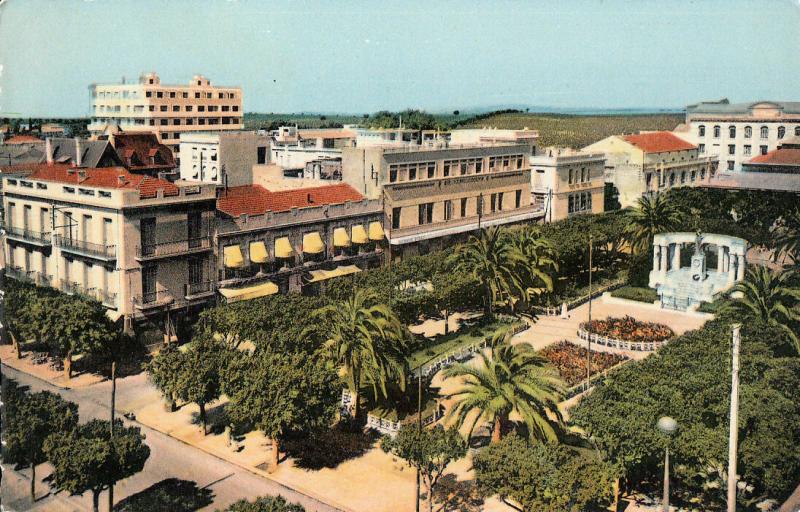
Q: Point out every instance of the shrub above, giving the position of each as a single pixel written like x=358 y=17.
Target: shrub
x=636 y=293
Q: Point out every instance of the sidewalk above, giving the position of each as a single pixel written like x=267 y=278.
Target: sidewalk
x=45 y=372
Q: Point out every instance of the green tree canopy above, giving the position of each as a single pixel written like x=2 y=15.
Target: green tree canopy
x=265 y=504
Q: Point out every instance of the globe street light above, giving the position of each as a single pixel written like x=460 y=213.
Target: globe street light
x=667 y=426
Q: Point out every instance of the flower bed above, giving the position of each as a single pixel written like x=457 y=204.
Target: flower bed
x=570 y=361
x=628 y=328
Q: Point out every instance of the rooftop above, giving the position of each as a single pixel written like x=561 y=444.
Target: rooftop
x=257 y=200
x=22 y=139
x=143 y=151
x=780 y=156
x=658 y=142
x=334 y=133
x=725 y=107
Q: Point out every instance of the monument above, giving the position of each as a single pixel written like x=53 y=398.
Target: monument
x=685 y=288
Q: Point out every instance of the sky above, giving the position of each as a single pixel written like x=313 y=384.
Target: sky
x=438 y=55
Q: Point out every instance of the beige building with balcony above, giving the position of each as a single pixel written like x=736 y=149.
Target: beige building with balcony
x=293 y=240
x=167 y=110
x=139 y=245
x=652 y=162
x=566 y=182
x=433 y=195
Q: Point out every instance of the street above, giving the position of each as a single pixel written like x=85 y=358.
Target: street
x=169 y=459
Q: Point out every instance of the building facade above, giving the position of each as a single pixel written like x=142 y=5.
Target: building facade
x=432 y=194
x=222 y=158
x=651 y=162
x=737 y=132
x=566 y=182
x=167 y=110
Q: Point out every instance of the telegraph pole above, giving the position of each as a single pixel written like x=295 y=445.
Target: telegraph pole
x=589 y=324
x=113 y=403
x=733 y=439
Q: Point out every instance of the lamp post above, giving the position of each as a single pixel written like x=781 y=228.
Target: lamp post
x=667 y=426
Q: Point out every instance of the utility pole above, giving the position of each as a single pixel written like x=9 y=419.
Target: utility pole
x=113 y=403
x=419 y=426
x=733 y=439
x=589 y=324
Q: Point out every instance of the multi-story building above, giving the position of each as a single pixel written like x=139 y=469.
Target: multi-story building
x=431 y=194
x=222 y=158
x=167 y=110
x=495 y=135
x=737 y=132
x=293 y=240
x=778 y=170
x=566 y=182
x=138 y=244
x=651 y=162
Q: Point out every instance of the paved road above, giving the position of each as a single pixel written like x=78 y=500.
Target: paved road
x=169 y=458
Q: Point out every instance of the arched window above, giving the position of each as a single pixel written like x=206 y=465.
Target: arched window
x=748 y=132
x=764 y=132
x=716 y=131
x=701 y=130
x=781 y=132
x=732 y=132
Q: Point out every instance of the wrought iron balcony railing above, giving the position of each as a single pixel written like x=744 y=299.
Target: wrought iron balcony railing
x=174 y=248
x=38 y=237
x=193 y=290
x=107 y=252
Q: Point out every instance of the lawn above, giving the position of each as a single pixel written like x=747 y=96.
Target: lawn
x=636 y=293
x=465 y=336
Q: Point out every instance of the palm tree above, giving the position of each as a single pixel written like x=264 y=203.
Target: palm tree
x=491 y=261
x=367 y=341
x=513 y=379
x=771 y=297
x=787 y=239
x=652 y=215
x=537 y=264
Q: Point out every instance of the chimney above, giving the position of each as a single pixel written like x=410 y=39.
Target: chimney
x=78 y=159
x=48 y=149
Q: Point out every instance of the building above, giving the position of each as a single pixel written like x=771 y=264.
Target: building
x=293 y=240
x=81 y=152
x=52 y=130
x=651 y=162
x=139 y=245
x=736 y=132
x=432 y=194
x=495 y=135
x=566 y=182
x=778 y=170
x=167 y=110
x=141 y=153
x=23 y=139
x=225 y=159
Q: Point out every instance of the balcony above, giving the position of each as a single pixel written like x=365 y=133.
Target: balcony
x=92 y=250
x=193 y=291
x=153 y=300
x=174 y=248
x=26 y=235
x=103 y=296
x=28 y=276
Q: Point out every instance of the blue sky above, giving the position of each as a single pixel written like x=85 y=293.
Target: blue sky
x=362 y=56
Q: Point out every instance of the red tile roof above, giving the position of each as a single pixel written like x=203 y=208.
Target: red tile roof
x=781 y=156
x=658 y=142
x=256 y=200
x=142 y=151
x=105 y=177
x=22 y=139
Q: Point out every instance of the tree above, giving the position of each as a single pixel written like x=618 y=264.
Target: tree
x=543 y=476
x=265 y=504
x=199 y=376
x=490 y=260
x=652 y=215
x=280 y=393
x=771 y=297
x=366 y=341
x=452 y=292
x=88 y=459
x=787 y=239
x=77 y=325
x=456 y=112
x=29 y=420
x=537 y=264
x=428 y=450
x=164 y=371
x=513 y=379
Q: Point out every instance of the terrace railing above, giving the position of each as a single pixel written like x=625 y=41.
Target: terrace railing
x=105 y=252
x=28 y=235
x=173 y=248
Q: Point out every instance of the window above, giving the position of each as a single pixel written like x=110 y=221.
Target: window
x=189 y=108
x=732 y=132
x=395 y=218
x=448 y=210
x=412 y=172
x=571 y=206
x=69 y=190
x=197 y=95
x=105 y=194
x=716 y=131
x=12 y=182
x=431 y=170
x=41 y=186
x=261 y=155
x=86 y=192
x=446 y=169
x=189 y=121
x=671 y=179
x=463 y=168
x=764 y=132
x=781 y=132
x=731 y=149
x=499 y=201
x=176 y=121
x=797 y=131
x=478 y=167
x=763 y=150
x=701 y=130
x=184 y=95
x=149 y=94
x=647 y=179
x=702 y=174
x=731 y=163
x=517 y=198
x=493 y=203
x=159 y=94
x=163 y=122
x=176 y=108
x=201 y=108
x=392 y=174
x=701 y=148
x=463 y=207
x=748 y=132
x=683 y=177
x=693 y=175
x=747 y=149
x=519 y=162
x=570 y=177
x=425 y=213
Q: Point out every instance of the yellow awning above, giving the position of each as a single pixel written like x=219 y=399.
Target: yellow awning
x=233 y=256
x=359 y=234
x=258 y=252
x=113 y=314
x=312 y=243
x=340 y=238
x=322 y=275
x=249 y=292
x=283 y=248
x=375 y=231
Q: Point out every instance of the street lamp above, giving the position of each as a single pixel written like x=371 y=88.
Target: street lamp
x=667 y=426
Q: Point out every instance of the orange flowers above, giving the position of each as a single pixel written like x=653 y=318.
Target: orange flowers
x=628 y=328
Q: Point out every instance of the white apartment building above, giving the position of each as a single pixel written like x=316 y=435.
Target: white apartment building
x=167 y=110
x=222 y=158
x=737 y=132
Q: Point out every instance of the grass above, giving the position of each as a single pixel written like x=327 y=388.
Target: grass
x=636 y=293
x=465 y=336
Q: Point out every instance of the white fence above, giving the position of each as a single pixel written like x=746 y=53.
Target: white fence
x=637 y=346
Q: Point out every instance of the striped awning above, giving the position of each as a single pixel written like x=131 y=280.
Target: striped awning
x=360 y=234
x=312 y=243
x=340 y=238
x=375 y=231
x=258 y=252
x=283 y=248
x=249 y=292
x=232 y=256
